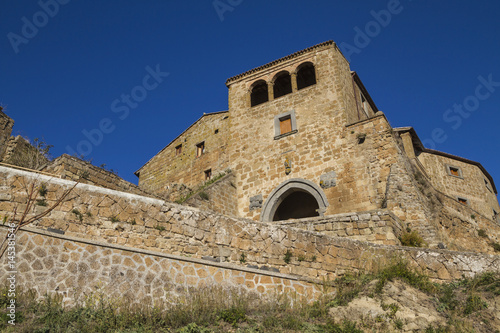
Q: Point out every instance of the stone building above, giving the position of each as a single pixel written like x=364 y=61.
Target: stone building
x=303 y=138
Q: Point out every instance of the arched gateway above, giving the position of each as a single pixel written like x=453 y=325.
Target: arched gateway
x=294 y=198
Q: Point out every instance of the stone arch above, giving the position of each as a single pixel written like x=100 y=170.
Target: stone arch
x=306 y=75
x=286 y=190
x=282 y=84
x=258 y=93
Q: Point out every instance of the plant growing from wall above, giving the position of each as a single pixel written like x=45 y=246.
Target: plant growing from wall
x=412 y=238
x=78 y=214
x=243 y=258
x=288 y=256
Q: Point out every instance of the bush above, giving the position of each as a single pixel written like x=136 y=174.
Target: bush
x=482 y=233
x=232 y=315
x=412 y=238
x=474 y=303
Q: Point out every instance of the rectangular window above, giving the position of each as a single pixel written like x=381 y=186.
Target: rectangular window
x=285 y=125
x=208 y=174
x=463 y=201
x=200 y=149
x=178 y=150
x=496 y=217
x=454 y=171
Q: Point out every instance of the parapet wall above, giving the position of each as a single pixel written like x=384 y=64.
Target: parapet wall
x=72 y=168
x=377 y=226
x=121 y=219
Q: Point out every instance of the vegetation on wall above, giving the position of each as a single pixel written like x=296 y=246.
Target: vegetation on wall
x=463 y=304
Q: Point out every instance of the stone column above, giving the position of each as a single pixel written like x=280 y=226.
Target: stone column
x=293 y=77
x=270 y=90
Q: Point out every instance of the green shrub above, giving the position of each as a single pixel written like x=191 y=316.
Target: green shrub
x=482 y=233
x=42 y=190
x=474 y=303
x=114 y=218
x=400 y=270
x=288 y=256
x=412 y=238
x=243 y=258
x=233 y=315
x=496 y=246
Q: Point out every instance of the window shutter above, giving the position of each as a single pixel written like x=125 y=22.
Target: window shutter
x=285 y=125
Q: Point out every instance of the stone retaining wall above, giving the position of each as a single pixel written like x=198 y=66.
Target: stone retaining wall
x=57 y=264
x=145 y=223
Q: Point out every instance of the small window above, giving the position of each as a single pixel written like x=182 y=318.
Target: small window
x=496 y=217
x=178 y=150
x=208 y=174
x=282 y=84
x=200 y=149
x=284 y=124
x=454 y=171
x=216 y=131
x=463 y=201
x=259 y=93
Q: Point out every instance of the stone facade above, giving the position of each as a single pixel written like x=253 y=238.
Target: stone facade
x=219 y=197
x=304 y=138
x=196 y=155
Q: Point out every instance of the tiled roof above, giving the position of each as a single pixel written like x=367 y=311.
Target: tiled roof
x=330 y=42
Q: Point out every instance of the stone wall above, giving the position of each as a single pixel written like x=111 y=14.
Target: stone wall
x=439 y=218
x=6 y=124
x=50 y=263
x=470 y=184
x=378 y=226
x=72 y=168
x=171 y=166
x=219 y=197
x=20 y=152
x=123 y=219
x=322 y=144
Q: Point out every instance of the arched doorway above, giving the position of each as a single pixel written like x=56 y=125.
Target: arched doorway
x=296 y=205
x=296 y=198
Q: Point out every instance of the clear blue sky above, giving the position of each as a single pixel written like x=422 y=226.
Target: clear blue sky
x=68 y=71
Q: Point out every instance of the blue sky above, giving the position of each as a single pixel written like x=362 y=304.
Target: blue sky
x=67 y=70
